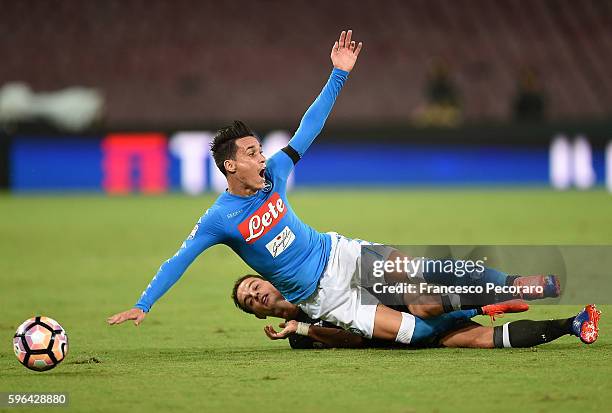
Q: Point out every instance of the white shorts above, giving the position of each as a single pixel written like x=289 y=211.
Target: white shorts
x=340 y=298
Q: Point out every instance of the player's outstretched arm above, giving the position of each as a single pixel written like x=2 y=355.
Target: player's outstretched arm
x=205 y=234
x=344 y=54
x=168 y=274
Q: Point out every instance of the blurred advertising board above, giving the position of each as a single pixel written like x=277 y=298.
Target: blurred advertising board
x=155 y=162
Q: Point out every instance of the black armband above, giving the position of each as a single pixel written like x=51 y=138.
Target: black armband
x=292 y=153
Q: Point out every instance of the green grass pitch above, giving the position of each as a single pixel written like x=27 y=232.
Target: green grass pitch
x=79 y=259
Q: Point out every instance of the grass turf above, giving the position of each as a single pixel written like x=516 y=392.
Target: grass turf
x=79 y=259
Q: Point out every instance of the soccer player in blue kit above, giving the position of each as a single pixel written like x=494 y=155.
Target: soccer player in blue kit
x=316 y=271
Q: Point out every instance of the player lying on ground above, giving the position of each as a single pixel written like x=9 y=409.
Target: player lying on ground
x=316 y=271
x=254 y=295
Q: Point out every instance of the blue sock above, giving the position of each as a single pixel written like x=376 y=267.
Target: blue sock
x=491 y=275
x=431 y=327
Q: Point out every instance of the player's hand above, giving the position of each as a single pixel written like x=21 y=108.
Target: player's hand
x=288 y=328
x=135 y=314
x=345 y=51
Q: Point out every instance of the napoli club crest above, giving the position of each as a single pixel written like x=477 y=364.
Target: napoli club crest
x=267 y=186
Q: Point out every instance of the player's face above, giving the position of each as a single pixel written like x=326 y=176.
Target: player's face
x=250 y=163
x=259 y=296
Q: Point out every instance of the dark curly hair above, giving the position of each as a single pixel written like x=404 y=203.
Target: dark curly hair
x=223 y=146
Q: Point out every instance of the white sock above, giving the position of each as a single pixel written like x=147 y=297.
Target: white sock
x=404 y=335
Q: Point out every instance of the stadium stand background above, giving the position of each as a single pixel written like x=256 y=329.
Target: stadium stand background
x=170 y=66
x=202 y=62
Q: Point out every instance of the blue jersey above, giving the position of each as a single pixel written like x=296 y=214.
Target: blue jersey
x=262 y=228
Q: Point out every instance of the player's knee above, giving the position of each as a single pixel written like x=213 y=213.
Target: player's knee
x=424 y=310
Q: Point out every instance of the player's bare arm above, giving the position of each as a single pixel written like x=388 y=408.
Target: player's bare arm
x=327 y=336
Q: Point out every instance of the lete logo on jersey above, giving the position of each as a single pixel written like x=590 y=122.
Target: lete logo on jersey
x=263 y=220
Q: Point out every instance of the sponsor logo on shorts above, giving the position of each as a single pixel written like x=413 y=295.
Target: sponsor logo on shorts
x=263 y=220
x=281 y=242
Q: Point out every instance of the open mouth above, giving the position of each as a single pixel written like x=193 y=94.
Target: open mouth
x=262 y=172
x=265 y=299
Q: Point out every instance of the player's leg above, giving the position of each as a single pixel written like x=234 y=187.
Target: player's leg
x=526 y=333
x=470 y=335
x=341 y=300
x=427 y=305
x=434 y=305
x=447 y=272
x=444 y=272
x=405 y=328
x=419 y=304
x=548 y=285
x=425 y=309
x=388 y=322
x=523 y=333
x=360 y=312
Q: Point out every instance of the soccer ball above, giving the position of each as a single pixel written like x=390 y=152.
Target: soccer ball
x=40 y=343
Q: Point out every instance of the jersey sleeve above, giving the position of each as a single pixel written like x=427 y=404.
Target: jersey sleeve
x=279 y=165
x=282 y=162
x=206 y=233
